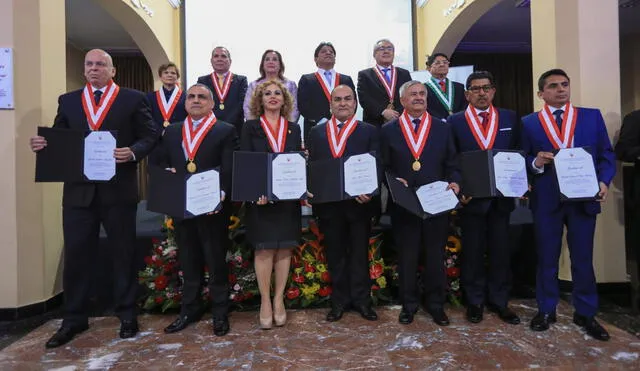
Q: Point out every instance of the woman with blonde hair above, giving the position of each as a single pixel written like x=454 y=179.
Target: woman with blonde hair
x=273 y=228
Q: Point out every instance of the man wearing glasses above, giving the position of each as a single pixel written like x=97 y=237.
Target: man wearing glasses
x=485 y=222
x=378 y=86
x=446 y=97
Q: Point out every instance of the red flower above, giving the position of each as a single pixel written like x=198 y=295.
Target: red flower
x=324 y=291
x=298 y=278
x=375 y=271
x=148 y=260
x=248 y=295
x=155 y=240
x=159 y=299
x=375 y=287
x=232 y=278
x=293 y=292
x=325 y=277
x=453 y=272
x=245 y=264
x=206 y=268
x=308 y=268
x=161 y=282
x=238 y=298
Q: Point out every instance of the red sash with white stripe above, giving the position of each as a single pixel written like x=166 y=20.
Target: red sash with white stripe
x=415 y=141
x=326 y=87
x=338 y=137
x=96 y=113
x=391 y=89
x=485 y=136
x=277 y=144
x=191 y=139
x=559 y=138
x=167 y=107
x=221 y=91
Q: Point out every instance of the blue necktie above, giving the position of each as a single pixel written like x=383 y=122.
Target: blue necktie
x=558 y=115
x=96 y=96
x=327 y=75
x=340 y=125
x=386 y=74
x=416 y=125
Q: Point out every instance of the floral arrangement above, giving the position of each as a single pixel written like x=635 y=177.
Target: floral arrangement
x=452 y=265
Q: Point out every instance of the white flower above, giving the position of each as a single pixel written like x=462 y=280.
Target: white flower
x=152 y=285
x=236 y=287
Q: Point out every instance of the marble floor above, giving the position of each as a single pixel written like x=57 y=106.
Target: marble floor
x=308 y=342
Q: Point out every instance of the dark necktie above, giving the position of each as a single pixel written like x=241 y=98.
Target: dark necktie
x=167 y=94
x=558 y=115
x=416 y=125
x=484 y=116
x=340 y=125
x=96 y=96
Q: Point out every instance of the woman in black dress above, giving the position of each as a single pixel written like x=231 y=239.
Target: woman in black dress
x=273 y=228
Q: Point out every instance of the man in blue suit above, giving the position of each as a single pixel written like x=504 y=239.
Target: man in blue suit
x=543 y=132
x=485 y=222
x=418 y=149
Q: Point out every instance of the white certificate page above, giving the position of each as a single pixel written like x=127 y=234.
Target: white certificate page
x=289 y=176
x=435 y=198
x=203 y=192
x=360 y=175
x=576 y=173
x=510 y=174
x=99 y=163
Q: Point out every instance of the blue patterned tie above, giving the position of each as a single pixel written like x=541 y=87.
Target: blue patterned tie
x=416 y=125
x=327 y=76
x=558 y=115
x=386 y=74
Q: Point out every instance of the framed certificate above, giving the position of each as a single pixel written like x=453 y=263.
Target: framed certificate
x=426 y=201
x=76 y=156
x=343 y=178
x=183 y=195
x=493 y=173
x=576 y=174
x=278 y=176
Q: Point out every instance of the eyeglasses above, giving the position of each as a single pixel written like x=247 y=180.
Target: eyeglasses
x=384 y=48
x=476 y=89
x=441 y=63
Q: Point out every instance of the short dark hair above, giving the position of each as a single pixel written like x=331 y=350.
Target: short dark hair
x=264 y=55
x=322 y=45
x=432 y=58
x=221 y=47
x=554 y=72
x=166 y=66
x=478 y=75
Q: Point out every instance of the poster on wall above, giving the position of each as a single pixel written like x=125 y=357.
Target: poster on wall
x=6 y=78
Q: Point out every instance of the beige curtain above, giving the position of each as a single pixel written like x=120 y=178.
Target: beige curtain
x=134 y=72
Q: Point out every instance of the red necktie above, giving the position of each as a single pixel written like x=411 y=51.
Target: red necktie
x=485 y=117
x=443 y=87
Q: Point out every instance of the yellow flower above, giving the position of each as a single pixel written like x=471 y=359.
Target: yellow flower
x=298 y=270
x=235 y=222
x=308 y=257
x=310 y=291
x=453 y=244
x=321 y=268
x=309 y=275
x=169 y=223
x=382 y=282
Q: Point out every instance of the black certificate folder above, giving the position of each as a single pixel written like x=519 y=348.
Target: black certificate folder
x=480 y=179
x=253 y=176
x=167 y=193
x=327 y=180
x=62 y=160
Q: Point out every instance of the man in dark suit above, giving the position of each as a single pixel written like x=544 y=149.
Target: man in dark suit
x=485 y=222
x=346 y=224
x=418 y=149
x=203 y=239
x=102 y=105
x=378 y=86
x=167 y=103
x=445 y=96
x=543 y=132
x=228 y=88
x=314 y=89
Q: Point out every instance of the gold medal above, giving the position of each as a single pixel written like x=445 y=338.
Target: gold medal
x=390 y=105
x=166 y=123
x=221 y=106
x=191 y=166
x=416 y=165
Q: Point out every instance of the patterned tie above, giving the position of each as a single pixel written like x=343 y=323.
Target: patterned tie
x=220 y=80
x=443 y=86
x=96 y=96
x=484 y=116
x=327 y=76
x=558 y=115
x=416 y=125
x=387 y=74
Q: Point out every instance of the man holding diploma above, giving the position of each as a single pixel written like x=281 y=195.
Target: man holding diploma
x=485 y=222
x=419 y=150
x=346 y=224
x=201 y=143
x=101 y=106
x=561 y=125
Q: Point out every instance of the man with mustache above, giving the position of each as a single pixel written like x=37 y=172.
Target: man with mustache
x=543 y=132
x=445 y=96
x=417 y=150
x=485 y=222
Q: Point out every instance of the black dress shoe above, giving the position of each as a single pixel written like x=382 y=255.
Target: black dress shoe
x=542 y=321
x=367 y=312
x=180 y=324
x=406 y=316
x=505 y=314
x=439 y=316
x=336 y=313
x=64 y=335
x=128 y=328
x=474 y=313
x=593 y=328
x=220 y=326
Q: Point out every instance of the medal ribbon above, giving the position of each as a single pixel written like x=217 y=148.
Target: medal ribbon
x=326 y=87
x=559 y=139
x=415 y=141
x=276 y=144
x=485 y=136
x=221 y=91
x=96 y=113
x=166 y=108
x=338 y=137
x=391 y=90
x=447 y=100
x=191 y=139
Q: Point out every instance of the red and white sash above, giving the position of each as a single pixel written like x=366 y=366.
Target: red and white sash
x=221 y=91
x=485 y=136
x=326 y=87
x=338 y=137
x=191 y=139
x=167 y=107
x=415 y=141
x=277 y=144
x=96 y=113
x=559 y=138
x=391 y=89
